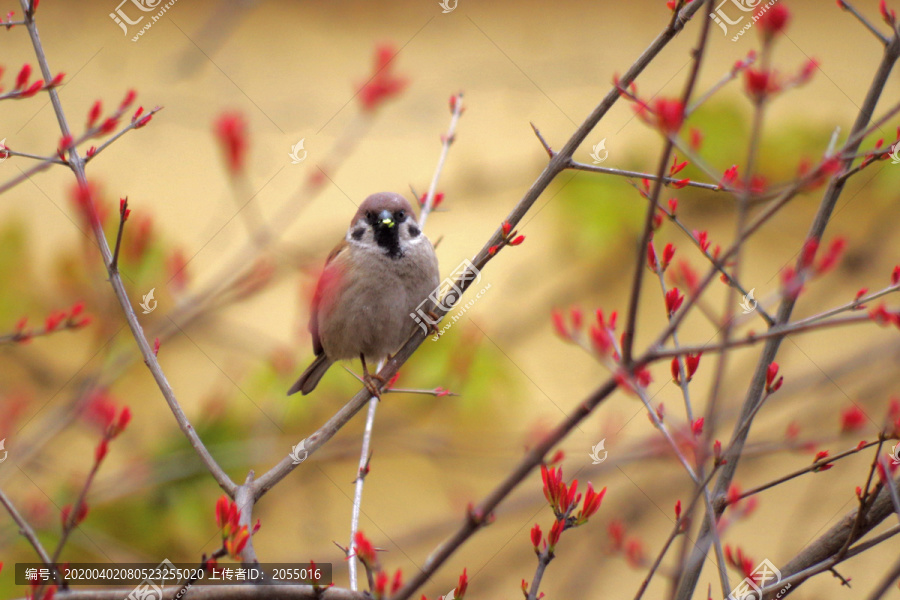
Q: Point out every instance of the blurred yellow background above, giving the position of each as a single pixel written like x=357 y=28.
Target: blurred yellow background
x=292 y=70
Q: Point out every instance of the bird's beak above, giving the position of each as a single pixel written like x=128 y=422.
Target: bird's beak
x=386 y=219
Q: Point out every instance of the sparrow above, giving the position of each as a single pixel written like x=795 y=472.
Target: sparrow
x=372 y=284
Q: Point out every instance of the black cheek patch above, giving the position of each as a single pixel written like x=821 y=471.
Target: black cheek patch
x=358 y=233
x=414 y=231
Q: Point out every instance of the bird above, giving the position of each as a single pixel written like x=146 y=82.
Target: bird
x=373 y=283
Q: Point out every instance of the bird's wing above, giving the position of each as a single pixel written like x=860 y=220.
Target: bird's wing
x=317 y=297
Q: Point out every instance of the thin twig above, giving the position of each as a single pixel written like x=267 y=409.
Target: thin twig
x=456 y=104
x=866 y=23
x=123 y=215
x=24 y=175
x=365 y=454
x=25 y=529
x=123 y=131
x=777 y=332
x=544 y=143
x=809 y=469
x=713 y=187
x=50 y=159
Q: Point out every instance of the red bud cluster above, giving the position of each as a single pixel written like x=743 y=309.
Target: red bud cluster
x=508 y=237
x=853 y=419
x=435 y=202
x=234 y=535
x=383 y=84
x=630 y=547
x=740 y=561
x=822 y=455
x=691 y=363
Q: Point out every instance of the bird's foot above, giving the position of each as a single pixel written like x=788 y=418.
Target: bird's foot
x=369 y=381
x=433 y=322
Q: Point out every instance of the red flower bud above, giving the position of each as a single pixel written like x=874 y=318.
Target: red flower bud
x=676 y=166
x=697 y=427
x=852 y=419
x=555 y=532
x=651 y=257
x=23 y=76
x=536 y=536
x=674 y=298
x=101 y=450
x=461 y=586
x=77 y=518
x=365 y=551
x=668 y=254
x=383 y=84
x=729 y=177
x=696 y=139
x=820 y=456
x=127 y=101
x=692 y=361
x=773 y=21
x=808 y=253
x=889 y=16
x=231 y=130
x=702 y=239
x=94 y=114
x=759 y=84
x=832 y=255
x=772 y=384
x=669 y=115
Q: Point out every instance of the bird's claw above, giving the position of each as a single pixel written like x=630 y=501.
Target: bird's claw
x=369 y=381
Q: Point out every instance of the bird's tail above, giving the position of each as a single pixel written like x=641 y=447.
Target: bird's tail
x=311 y=376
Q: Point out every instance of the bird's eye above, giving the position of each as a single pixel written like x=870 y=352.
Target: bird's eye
x=399 y=215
